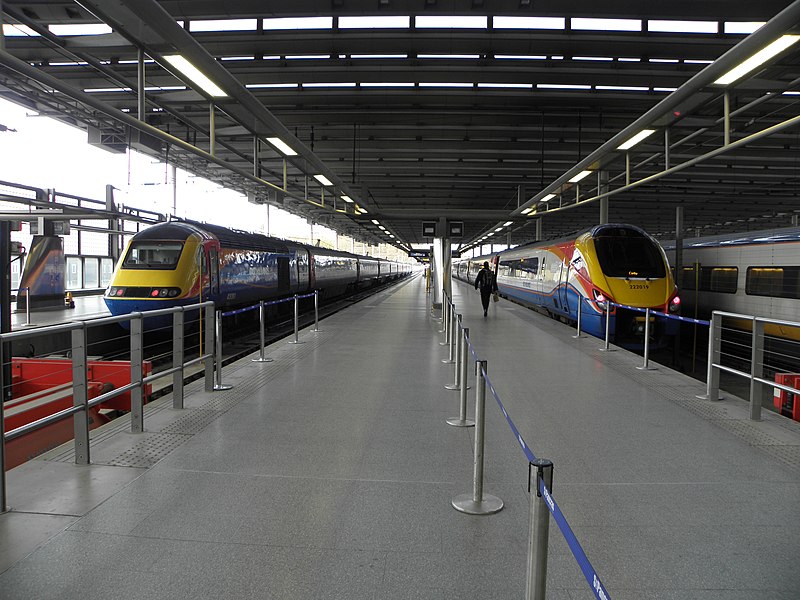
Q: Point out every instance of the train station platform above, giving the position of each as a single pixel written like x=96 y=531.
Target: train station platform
x=86 y=307
x=329 y=473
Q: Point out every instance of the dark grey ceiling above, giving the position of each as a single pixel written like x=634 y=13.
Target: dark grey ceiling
x=430 y=151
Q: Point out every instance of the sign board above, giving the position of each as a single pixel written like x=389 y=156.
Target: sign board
x=429 y=229
x=456 y=229
x=419 y=253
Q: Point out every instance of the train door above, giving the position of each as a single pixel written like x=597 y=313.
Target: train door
x=562 y=296
x=283 y=275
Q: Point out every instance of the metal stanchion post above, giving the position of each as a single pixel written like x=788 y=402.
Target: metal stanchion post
x=452 y=337
x=646 y=364
x=607 y=313
x=27 y=307
x=219 y=386
x=461 y=420
x=208 y=350
x=580 y=303
x=137 y=356
x=3 y=495
x=316 y=311
x=756 y=369
x=445 y=322
x=262 y=321
x=177 y=359
x=539 y=532
x=459 y=351
x=80 y=397
x=478 y=503
x=714 y=348
x=296 y=339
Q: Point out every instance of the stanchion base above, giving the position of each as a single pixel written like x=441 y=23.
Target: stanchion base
x=443 y=343
x=453 y=387
x=487 y=506
x=259 y=359
x=222 y=387
x=577 y=337
x=705 y=397
x=447 y=361
x=607 y=349
x=648 y=368
x=459 y=422
x=297 y=342
x=316 y=330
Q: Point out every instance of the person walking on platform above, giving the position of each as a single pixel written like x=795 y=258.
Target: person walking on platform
x=487 y=284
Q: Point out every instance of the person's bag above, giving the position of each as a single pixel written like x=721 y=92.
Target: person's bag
x=496 y=297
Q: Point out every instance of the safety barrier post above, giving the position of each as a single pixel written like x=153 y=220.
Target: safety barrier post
x=714 y=348
x=262 y=320
x=607 y=313
x=27 y=307
x=80 y=396
x=296 y=339
x=137 y=355
x=445 y=321
x=539 y=531
x=452 y=342
x=316 y=311
x=580 y=311
x=756 y=369
x=459 y=351
x=646 y=364
x=219 y=386
x=478 y=503
x=208 y=351
x=177 y=358
x=3 y=495
x=461 y=420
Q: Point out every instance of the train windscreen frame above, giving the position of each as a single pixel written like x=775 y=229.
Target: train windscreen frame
x=627 y=253
x=148 y=254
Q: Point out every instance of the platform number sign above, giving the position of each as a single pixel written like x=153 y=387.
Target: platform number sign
x=456 y=229
x=429 y=229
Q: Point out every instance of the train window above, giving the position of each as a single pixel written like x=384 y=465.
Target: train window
x=152 y=255
x=688 y=279
x=719 y=279
x=778 y=282
x=627 y=253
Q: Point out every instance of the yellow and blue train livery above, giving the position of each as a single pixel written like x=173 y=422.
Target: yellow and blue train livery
x=615 y=262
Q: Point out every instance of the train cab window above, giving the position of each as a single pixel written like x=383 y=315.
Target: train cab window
x=777 y=282
x=627 y=253
x=152 y=255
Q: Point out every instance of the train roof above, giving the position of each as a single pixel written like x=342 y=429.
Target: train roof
x=765 y=236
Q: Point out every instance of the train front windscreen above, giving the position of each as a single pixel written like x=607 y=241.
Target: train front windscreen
x=147 y=254
x=627 y=253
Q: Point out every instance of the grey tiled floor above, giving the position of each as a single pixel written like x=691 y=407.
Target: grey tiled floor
x=329 y=474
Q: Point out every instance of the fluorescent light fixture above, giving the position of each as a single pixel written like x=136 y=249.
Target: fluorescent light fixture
x=490 y=234
x=381 y=227
x=451 y=22
x=520 y=57
x=499 y=229
x=347 y=199
x=589 y=24
x=668 y=90
x=670 y=26
x=257 y=86
x=330 y=84
x=664 y=60
x=308 y=57
x=381 y=56
x=518 y=86
x=622 y=88
x=562 y=86
x=361 y=210
x=742 y=27
x=323 y=180
x=548 y=198
x=758 y=59
x=387 y=84
x=629 y=59
x=689 y=61
x=594 y=58
x=528 y=22
x=282 y=146
x=636 y=139
x=10 y=30
x=77 y=29
x=579 y=176
x=507 y=223
x=249 y=57
x=223 y=25
x=195 y=76
x=525 y=211
x=375 y=222
x=374 y=22
x=449 y=56
x=298 y=23
x=447 y=84
x=106 y=90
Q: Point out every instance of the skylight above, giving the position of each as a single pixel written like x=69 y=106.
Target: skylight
x=528 y=22
x=606 y=24
x=374 y=22
x=742 y=27
x=451 y=22
x=82 y=29
x=683 y=26
x=223 y=25
x=298 y=23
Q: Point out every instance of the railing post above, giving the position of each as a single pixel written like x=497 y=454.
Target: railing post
x=580 y=311
x=478 y=503
x=445 y=319
x=219 y=386
x=452 y=335
x=27 y=307
x=316 y=311
x=296 y=339
x=3 y=494
x=137 y=405
x=607 y=313
x=756 y=369
x=457 y=362
x=208 y=351
x=80 y=396
x=461 y=420
x=177 y=358
x=262 y=321
x=539 y=531
x=714 y=347
x=646 y=364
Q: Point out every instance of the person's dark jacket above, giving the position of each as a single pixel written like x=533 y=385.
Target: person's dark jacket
x=485 y=281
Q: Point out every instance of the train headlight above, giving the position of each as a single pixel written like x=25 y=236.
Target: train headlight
x=599 y=299
x=675 y=304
